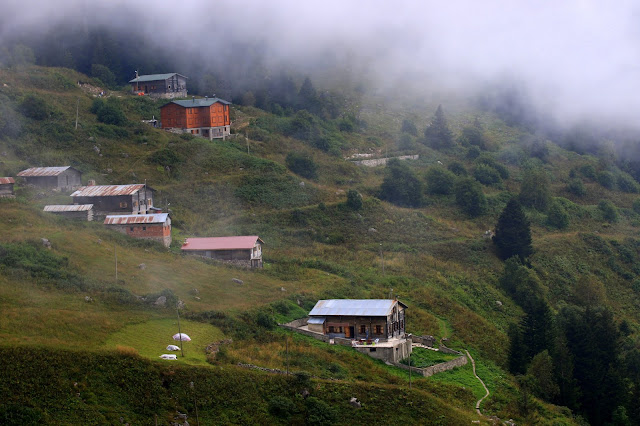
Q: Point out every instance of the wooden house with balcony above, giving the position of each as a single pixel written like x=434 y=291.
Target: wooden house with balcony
x=170 y=85
x=116 y=199
x=243 y=251
x=359 y=319
x=208 y=117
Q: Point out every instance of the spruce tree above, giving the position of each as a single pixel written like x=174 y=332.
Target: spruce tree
x=438 y=135
x=513 y=232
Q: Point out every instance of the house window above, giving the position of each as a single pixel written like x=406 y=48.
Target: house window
x=123 y=204
x=131 y=228
x=331 y=329
x=363 y=329
x=135 y=204
x=378 y=329
x=144 y=228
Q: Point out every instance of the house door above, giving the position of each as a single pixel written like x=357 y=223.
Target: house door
x=145 y=89
x=350 y=332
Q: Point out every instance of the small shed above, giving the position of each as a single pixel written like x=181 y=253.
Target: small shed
x=169 y=85
x=242 y=250
x=72 y=211
x=116 y=199
x=6 y=187
x=64 y=178
x=156 y=227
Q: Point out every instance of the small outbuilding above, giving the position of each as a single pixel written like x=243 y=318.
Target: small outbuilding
x=243 y=250
x=72 y=211
x=156 y=227
x=64 y=178
x=6 y=187
x=170 y=85
x=116 y=199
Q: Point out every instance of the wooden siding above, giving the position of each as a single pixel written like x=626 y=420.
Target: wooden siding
x=129 y=204
x=176 y=116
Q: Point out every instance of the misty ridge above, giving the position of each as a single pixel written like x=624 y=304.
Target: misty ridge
x=554 y=64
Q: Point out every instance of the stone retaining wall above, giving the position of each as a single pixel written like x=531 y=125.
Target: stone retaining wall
x=382 y=161
x=438 y=368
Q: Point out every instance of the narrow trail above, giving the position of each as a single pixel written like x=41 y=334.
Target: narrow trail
x=473 y=364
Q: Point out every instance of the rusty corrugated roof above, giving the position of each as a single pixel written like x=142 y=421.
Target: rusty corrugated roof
x=221 y=243
x=68 y=208
x=6 y=180
x=43 y=171
x=108 y=190
x=130 y=219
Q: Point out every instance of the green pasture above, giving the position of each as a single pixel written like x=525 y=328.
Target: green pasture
x=150 y=339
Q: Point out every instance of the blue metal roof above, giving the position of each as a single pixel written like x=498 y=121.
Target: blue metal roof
x=354 y=307
x=316 y=320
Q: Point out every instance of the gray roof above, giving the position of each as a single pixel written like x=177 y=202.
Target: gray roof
x=316 y=320
x=354 y=307
x=193 y=103
x=43 y=171
x=154 y=77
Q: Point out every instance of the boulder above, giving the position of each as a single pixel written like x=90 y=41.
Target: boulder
x=237 y=281
x=355 y=403
x=46 y=242
x=160 y=301
x=142 y=266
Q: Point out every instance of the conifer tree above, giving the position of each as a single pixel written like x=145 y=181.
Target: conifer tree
x=513 y=232
x=438 y=135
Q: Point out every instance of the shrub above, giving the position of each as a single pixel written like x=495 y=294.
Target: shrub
x=354 y=200
x=576 y=187
x=400 y=185
x=319 y=412
x=486 y=175
x=406 y=142
x=627 y=184
x=281 y=406
x=103 y=74
x=165 y=157
x=607 y=179
x=109 y=112
x=636 y=205
x=301 y=164
x=440 y=181
x=557 y=215
x=535 y=191
x=469 y=197
x=473 y=152
x=608 y=210
x=409 y=127
x=588 y=171
x=34 y=107
x=457 y=168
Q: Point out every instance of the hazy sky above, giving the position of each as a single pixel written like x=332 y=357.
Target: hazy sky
x=577 y=58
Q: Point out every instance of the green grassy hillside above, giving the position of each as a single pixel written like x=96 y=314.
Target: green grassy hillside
x=434 y=256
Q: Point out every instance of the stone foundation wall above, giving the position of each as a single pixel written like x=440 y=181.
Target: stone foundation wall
x=438 y=368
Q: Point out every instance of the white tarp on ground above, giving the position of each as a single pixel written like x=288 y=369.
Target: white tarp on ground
x=173 y=348
x=181 y=336
x=168 y=356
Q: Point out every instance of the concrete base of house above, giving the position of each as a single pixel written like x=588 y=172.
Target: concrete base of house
x=390 y=350
x=211 y=133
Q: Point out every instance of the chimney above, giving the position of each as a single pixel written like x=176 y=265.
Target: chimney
x=91 y=182
x=194 y=99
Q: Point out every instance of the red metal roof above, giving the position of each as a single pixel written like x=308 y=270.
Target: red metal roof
x=221 y=243
x=68 y=207
x=108 y=190
x=6 y=180
x=129 y=219
x=43 y=171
